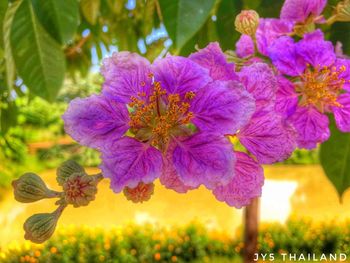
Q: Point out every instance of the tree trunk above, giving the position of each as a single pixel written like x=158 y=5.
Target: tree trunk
x=251 y=217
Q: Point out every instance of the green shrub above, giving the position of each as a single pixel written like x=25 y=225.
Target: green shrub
x=178 y=244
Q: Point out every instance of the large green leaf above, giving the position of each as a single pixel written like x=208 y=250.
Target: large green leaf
x=335 y=159
x=90 y=10
x=60 y=18
x=3 y=8
x=7 y=24
x=226 y=14
x=183 y=18
x=39 y=59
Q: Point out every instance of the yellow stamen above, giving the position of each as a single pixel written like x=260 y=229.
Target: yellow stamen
x=159 y=115
x=321 y=86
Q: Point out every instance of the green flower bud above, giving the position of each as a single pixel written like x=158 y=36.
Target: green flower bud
x=80 y=189
x=30 y=188
x=342 y=11
x=67 y=169
x=40 y=227
x=247 y=22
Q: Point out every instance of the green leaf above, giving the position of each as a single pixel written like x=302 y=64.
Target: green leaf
x=60 y=18
x=183 y=18
x=90 y=10
x=337 y=33
x=335 y=159
x=226 y=15
x=3 y=8
x=39 y=59
x=8 y=116
x=10 y=65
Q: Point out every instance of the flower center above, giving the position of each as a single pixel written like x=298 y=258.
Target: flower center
x=321 y=86
x=159 y=116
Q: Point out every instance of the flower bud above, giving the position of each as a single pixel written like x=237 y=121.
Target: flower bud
x=67 y=169
x=247 y=22
x=342 y=11
x=40 y=227
x=142 y=192
x=30 y=188
x=80 y=189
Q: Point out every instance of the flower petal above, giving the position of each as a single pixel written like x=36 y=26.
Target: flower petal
x=180 y=75
x=286 y=97
x=204 y=159
x=126 y=74
x=244 y=46
x=268 y=138
x=213 y=59
x=283 y=55
x=246 y=185
x=170 y=178
x=96 y=120
x=127 y=162
x=342 y=114
x=269 y=30
x=300 y=10
x=260 y=81
x=311 y=127
x=223 y=107
x=316 y=51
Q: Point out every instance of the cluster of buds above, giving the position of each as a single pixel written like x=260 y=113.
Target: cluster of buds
x=78 y=189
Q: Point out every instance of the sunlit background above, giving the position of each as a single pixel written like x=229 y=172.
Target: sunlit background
x=299 y=210
x=290 y=191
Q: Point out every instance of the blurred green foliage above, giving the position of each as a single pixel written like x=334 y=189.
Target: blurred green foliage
x=179 y=244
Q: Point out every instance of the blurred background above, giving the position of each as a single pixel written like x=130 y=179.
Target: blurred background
x=50 y=53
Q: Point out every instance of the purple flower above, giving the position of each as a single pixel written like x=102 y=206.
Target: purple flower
x=246 y=184
x=268 y=31
x=321 y=85
x=266 y=136
x=213 y=59
x=263 y=135
x=166 y=119
x=301 y=10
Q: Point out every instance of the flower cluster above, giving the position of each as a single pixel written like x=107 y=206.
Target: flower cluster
x=176 y=119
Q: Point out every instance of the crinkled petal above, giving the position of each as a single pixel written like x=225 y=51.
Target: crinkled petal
x=180 y=75
x=269 y=30
x=222 y=107
x=283 y=55
x=311 y=127
x=286 y=97
x=246 y=185
x=244 y=46
x=260 y=81
x=169 y=177
x=126 y=74
x=300 y=10
x=342 y=114
x=96 y=120
x=213 y=59
x=268 y=138
x=316 y=51
x=127 y=162
x=206 y=159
